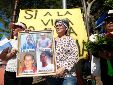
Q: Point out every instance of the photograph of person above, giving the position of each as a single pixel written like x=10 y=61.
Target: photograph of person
x=29 y=66
x=28 y=42
x=46 y=63
x=44 y=41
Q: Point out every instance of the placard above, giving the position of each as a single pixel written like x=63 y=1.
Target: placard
x=36 y=55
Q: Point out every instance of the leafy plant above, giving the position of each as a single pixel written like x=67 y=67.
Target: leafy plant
x=100 y=42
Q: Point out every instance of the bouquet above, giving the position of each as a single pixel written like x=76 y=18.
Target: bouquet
x=101 y=45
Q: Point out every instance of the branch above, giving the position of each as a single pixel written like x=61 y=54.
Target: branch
x=89 y=7
x=92 y=2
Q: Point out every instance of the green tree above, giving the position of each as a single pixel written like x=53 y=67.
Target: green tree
x=108 y=4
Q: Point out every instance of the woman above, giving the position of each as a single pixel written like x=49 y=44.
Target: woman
x=104 y=58
x=106 y=61
x=66 y=56
x=11 y=67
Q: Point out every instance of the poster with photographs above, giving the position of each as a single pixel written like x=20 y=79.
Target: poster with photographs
x=36 y=54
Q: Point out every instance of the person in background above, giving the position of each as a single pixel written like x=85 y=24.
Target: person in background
x=106 y=78
x=106 y=60
x=29 y=65
x=11 y=66
x=66 y=56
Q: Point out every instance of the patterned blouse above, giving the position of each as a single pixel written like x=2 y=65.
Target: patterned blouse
x=66 y=53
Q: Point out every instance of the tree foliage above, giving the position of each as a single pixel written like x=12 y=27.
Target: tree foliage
x=39 y=4
x=6 y=9
x=108 y=4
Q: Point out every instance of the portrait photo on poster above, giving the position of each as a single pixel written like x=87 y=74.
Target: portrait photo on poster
x=28 y=64
x=45 y=59
x=36 y=56
x=28 y=42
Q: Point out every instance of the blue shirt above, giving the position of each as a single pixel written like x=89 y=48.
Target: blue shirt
x=28 y=47
x=44 y=43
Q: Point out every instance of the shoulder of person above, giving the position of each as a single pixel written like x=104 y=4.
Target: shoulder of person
x=56 y=38
x=70 y=38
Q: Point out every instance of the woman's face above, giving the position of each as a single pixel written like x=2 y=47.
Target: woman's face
x=28 y=62
x=60 y=28
x=15 y=31
x=109 y=26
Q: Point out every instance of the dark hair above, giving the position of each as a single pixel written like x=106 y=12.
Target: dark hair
x=109 y=18
x=62 y=20
x=43 y=53
x=46 y=53
x=15 y=26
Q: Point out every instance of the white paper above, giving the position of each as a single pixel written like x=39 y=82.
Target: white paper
x=4 y=43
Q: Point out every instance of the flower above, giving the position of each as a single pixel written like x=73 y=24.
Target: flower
x=93 y=38
x=100 y=42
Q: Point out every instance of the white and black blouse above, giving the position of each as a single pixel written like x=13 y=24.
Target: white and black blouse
x=66 y=53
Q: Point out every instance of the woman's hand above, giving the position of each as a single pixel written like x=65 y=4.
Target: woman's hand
x=4 y=53
x=27 y=30
x=60 y=71
x=11 y=54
